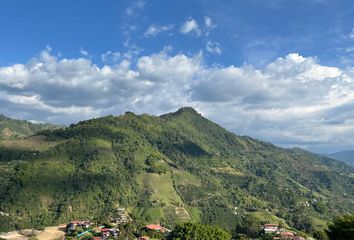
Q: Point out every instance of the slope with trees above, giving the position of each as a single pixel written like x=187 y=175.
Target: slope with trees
x=170 y=169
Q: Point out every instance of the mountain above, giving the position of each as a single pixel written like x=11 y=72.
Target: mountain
x=171 y=168
x=16 y=129
x=344 y=156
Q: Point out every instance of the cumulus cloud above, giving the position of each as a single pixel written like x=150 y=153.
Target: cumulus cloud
x=293 y=100
x=154 y=29
x=190 y=26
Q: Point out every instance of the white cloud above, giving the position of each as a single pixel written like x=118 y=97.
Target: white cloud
x=110 y=57
x=351 y=34
x=190 y=26
x=213 y=47
x=209 y=25
x=154 y=29
x=293 y=100
x=135 y=7
x=84 y=53
x=208 y=22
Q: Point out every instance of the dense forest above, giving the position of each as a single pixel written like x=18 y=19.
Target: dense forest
x=169 y=169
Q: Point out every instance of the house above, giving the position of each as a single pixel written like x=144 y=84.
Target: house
x=97 y=238
x=292 y=238
x=271 y=228
x=157 y=228
x=109 y=232
x=121 y=217
x=144 y=238
x=286 y=234
x=78 y=224
x=298 y=238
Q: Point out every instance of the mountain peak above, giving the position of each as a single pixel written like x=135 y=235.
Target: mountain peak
x=183 y=111
x=187 y=110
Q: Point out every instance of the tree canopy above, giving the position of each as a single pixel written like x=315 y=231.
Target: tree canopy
x=342 y=228
x=195 y=231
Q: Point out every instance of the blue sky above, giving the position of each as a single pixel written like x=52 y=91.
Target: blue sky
x=251 y=31
x=278 y=70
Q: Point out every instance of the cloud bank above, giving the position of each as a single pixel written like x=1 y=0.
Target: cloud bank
x=292 y=101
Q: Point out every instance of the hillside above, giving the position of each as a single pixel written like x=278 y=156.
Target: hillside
x=344 y=156
x=172 y=168
x=15 y=129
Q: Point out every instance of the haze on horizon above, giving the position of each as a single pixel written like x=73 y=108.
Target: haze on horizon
x=279 y=70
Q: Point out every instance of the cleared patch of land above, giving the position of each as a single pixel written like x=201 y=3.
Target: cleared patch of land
x=35 y=143
x=161 y=186
x=48 y=233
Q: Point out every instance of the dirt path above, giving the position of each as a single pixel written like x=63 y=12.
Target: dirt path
x=13 y=236
x=49 y=233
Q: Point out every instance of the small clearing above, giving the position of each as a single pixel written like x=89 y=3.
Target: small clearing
x=49 y=233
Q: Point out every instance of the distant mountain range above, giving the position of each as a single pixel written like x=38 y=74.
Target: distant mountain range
x=344 y=156
x=166 y=169
x=17 y=129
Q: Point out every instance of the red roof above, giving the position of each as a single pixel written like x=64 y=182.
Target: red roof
x=287 y=234
x=105 y=229
x=154 y=227
x=79 y=222
x=97 y=238
x=76 y=222
x=271 y=225
x=144 y=238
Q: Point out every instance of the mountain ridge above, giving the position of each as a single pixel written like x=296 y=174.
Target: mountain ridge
x=343 y=156
x=157 y=165
x=11 y=129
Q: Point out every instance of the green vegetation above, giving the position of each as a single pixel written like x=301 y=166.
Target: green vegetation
x=170 y=169
x=342 y=228
x=17 y=129
x=190 y=231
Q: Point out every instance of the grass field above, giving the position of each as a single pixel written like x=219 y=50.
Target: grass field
x=35 y=143
x=266 y=217
x=162 y=186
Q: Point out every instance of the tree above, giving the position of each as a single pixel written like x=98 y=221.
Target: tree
x=190 y=231
x=342 y=228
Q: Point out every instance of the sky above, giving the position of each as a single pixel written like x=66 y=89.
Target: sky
x=278 y=70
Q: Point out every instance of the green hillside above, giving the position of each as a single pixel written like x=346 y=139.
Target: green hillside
x=169 y=169
x=16 y=129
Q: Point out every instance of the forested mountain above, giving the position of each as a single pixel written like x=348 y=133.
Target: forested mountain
x=344 y=156
x=170 y=168
x=16 y=129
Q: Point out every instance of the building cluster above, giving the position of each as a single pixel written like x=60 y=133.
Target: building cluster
x=79 y=228
x=154 y=228
x=280 y=233
x=121 y=217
